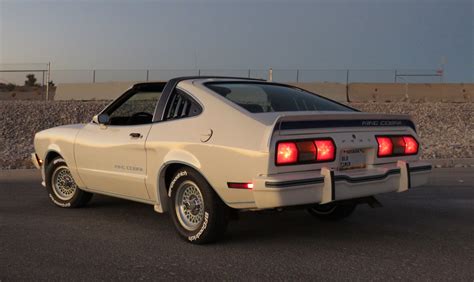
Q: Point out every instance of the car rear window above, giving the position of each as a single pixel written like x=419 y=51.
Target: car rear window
x=266 y=97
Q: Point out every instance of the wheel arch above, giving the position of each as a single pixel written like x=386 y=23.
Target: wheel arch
x=55 y=152
x=50 y=156
x=165 y=176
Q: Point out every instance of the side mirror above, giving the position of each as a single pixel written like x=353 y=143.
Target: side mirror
x=101 y=119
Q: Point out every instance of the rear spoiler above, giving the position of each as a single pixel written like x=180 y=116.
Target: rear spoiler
x=315 y=121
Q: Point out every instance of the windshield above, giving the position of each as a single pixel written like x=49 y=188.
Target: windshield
x=258 y=97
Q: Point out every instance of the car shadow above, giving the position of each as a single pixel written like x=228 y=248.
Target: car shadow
x=400 y=218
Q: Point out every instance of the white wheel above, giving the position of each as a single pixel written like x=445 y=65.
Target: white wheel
x=63 y=184
x=197 y=212
x=62 y=189
x=189 y=205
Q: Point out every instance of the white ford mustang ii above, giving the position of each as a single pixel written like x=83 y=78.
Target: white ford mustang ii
x=203 y=148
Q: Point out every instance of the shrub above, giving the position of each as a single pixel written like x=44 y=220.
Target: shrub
x=10 y=87
x=31 y=80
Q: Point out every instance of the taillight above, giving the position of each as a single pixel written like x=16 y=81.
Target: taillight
x=411 y=146
x=305 y=151
x=326 y=150
x=391 y=146
x=385 y=146
x=287 y=153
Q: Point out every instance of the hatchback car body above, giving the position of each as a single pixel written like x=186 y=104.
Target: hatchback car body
x=202 y=148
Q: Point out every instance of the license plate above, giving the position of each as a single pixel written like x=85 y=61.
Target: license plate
x=352 y=158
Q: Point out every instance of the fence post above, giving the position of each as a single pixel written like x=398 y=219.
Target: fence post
x=48 y=78
x=347 y=86
x=93 y=76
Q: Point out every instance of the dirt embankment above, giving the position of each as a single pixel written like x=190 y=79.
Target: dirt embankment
x=446 y=129
x=11 y=92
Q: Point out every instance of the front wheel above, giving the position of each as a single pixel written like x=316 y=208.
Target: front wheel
x=332 y=211
x=198 y=213
x=62 y=189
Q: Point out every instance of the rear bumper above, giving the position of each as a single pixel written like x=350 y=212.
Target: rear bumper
x=326 y=185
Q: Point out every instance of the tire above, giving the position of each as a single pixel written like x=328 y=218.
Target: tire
x=199 y=215
x=62 y=190
x=332 y=211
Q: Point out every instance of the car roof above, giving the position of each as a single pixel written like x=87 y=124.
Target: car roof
x=176 y=80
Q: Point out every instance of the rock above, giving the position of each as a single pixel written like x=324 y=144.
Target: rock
x=446 y=129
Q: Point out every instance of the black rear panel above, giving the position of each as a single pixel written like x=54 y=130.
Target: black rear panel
x=289 y=125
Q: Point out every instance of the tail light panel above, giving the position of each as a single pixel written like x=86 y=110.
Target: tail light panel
x=396 y=145
x=305 y=151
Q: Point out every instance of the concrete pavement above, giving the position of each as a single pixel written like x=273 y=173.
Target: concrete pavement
x=424 y=234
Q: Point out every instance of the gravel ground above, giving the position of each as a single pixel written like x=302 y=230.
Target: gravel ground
x=446 y=129
x=22 y=119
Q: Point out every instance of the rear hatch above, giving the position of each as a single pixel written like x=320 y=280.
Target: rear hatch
x=354 y=136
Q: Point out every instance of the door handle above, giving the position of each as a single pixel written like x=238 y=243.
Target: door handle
x=136 y=135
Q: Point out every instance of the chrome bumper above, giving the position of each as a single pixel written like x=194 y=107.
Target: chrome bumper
x=330 y=185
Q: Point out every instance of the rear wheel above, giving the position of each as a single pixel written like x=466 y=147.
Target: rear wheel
x=332 y=211
x=62 y=189
x=198 y=213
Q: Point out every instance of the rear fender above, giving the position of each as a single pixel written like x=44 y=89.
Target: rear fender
x=173 y=157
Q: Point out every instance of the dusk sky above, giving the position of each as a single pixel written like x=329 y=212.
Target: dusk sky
x=357 y=34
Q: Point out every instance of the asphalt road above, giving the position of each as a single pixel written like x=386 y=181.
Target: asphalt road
x=424 y=234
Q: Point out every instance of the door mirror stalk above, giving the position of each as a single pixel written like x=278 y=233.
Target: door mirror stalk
x=102 y=119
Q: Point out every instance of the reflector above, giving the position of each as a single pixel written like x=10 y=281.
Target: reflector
x=240 y=185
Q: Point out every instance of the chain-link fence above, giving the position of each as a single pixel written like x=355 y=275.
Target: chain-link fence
x=16 y=74
x=34 y=78
x=280 y=75
x=25 y=81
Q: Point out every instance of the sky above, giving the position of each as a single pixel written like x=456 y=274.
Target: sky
x=337 y=34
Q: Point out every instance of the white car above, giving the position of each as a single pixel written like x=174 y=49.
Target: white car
x=202 y=148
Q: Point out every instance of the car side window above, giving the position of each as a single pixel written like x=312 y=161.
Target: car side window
x=181 y=105
x=136 y=109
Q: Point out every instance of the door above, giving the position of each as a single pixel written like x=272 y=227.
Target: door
x=111 y=157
